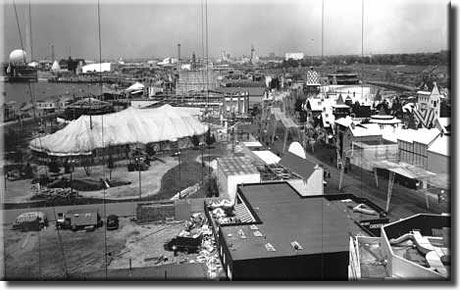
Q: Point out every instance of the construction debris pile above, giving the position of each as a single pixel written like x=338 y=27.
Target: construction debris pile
x=41 y=192
x=223 y=212
x=197 y=229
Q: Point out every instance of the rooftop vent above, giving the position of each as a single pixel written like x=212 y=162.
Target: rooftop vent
x=269 y=247
x=296 y=246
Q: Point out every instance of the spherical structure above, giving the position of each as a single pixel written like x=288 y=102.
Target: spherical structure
x=18 y=56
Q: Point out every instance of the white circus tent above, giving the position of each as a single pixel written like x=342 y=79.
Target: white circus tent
x=131 y=126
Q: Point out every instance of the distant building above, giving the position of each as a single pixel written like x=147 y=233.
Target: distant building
x=196 y=81
x=294 y=55
x=428 y=107
x=10 y=111
x=343 y=78
x=97 y=68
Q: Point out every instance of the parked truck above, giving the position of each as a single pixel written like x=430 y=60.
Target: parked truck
x=77 y=219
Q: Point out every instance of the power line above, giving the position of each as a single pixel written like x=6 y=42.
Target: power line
x=322 y=30
x=362 y=73
x=30 y=29
x=102 y=136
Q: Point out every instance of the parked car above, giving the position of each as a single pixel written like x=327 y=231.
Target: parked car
x=112 y=222
x=184 y=244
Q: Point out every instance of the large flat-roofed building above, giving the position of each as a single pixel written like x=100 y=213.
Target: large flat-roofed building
x=276 y=234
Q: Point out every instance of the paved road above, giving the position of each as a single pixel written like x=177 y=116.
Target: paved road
x=121 y=209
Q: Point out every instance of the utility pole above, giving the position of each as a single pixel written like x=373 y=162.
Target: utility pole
x=178 y=56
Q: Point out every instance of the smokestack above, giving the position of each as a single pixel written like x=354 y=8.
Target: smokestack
x=178 y=52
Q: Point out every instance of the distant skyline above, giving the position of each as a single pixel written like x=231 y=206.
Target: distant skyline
x=152 y=29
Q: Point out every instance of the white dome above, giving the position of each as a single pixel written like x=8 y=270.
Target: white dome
x=18 y=56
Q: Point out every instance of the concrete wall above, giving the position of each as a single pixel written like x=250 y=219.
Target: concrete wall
x=149 y=212
x=234 y=180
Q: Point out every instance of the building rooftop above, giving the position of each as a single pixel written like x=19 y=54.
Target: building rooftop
x=236 y=166
x=298 y=165
x=345 y=122
x=317 y=224
x=423 y=135
x=267 y=156
x=362 y=130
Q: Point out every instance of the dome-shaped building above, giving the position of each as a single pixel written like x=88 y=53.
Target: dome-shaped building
x=18 y=69
x=18 y=57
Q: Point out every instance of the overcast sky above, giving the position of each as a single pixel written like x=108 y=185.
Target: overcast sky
x=154 y=28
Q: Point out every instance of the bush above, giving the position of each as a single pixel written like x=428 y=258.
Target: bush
x=209 y=139
x=195 y=140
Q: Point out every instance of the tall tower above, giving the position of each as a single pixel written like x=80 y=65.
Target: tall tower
x=251 y=58
x=193 y=61
x=52 y=52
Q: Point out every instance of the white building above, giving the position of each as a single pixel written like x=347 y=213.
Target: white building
x=294 y=55
x=429 y=101
x=97 y=68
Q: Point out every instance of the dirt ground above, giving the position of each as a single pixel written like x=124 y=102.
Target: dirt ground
x=49 y=254
x=20 y=190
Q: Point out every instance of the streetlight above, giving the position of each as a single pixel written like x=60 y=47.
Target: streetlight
x=71 y=169
x=138 y=160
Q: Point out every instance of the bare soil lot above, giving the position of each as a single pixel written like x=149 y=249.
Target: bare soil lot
x=50 y=254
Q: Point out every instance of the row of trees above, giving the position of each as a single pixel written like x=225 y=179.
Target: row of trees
x=432 y=58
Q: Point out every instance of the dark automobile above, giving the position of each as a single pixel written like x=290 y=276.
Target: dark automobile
x=112 y=222
x=184 y=244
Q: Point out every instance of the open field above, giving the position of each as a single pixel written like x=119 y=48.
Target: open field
x=45 y=255
x=163 y=179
